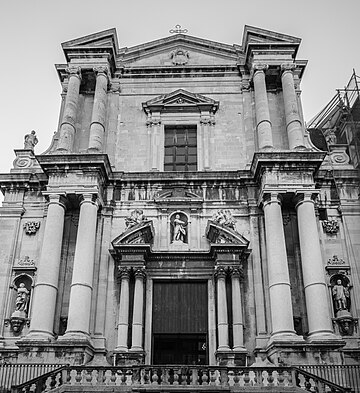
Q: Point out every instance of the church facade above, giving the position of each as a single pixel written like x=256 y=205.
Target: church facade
x=181 y=215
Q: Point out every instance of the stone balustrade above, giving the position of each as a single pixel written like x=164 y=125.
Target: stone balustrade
x=86 y=378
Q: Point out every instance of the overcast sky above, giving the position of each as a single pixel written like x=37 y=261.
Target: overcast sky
x=31 y=33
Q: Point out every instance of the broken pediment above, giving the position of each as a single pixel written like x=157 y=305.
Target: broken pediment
x=181 y=100
x=223 y=235
x=142 y=233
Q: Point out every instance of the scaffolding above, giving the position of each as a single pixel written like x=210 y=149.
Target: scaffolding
x=339 y=121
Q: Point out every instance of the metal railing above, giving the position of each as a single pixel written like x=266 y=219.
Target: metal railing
x=347 y=375
x=15 y=374
x=165 y=377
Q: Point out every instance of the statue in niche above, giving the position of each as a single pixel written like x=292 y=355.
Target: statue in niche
x=224 y=218
x=22 y=298
x=30 y=140
x=179 y=230
x=136 y=217
x=341 y=296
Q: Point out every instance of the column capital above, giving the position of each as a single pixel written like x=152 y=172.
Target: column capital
x=123 y=273
x=140 y=273
x=89 y=198
x=74 y=71
x=102 y=70
x=236 y=272
x=260 y=67
x=307 y=196
x=57 y=199
x=220 y=272
x=287 y=67
x=271 y=197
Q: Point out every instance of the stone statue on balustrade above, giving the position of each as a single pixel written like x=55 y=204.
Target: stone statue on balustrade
x=341 y=296
x=30 y=140
x=136 y=217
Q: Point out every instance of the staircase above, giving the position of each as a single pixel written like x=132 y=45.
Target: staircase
x=178 y=378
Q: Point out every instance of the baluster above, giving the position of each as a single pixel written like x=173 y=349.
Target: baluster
x=165 y=376
x=78 y=377
x=217 y=378
x=204 y=377
x=107 y=377
x=223 y=377
x=241 y=378
x=183 y=376
x=247 y=378
x=154 y=377
x=117 y=377
x=99 y=377
x=276 y=378
x=87 y=377
x=302 y=381
x=194 y=377
x=135 y=376
x=252 y=378
x=231 y=377
x=176 y=376
x=212 y=377
x=72 y=375
x=264 y=379
x=128 y=377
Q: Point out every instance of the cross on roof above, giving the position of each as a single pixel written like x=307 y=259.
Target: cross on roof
x=178 y=30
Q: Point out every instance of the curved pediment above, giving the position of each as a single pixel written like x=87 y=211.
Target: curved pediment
x=142 y=233
x=223 y=235
x=181 y=100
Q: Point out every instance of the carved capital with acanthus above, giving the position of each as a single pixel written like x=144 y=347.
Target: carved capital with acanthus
x=290 y=67
x=220 y=272
x=237 y=272
x=140 y=274
x=74 y=71
x=124 y=273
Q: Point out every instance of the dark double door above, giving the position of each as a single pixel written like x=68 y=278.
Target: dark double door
x=180 y=322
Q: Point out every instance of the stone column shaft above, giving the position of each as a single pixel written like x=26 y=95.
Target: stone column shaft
x=263 y=123
x=279 y=280
x=317 y=307
x=46 y=288
x=138 y=313
x=67 y=128
x=123 y=321
x=292 y=116
x=222 y=320
x=238 y=324
x=82 y=277
x=97 y=126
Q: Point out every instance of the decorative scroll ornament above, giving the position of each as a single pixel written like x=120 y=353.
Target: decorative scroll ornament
x=136 y=217
x=179 y=57
x=335 y=260
x=330 y=226
x=31 y=227
x=224 y=218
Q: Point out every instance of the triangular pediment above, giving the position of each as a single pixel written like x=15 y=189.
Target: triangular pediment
x=218 y=234
x=256 y=35
x=142 y=233
x=179 y=50
x=181 y=99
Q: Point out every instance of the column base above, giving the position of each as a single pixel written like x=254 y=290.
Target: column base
x=231 y=358
x=38 y=336
x=128 y=358
x=285 y=337
x=75 y=337
x=325 y=338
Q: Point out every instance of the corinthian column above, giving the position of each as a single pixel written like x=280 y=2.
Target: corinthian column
x=97 y=126
x=313 y=271
x=263 y=123
x=123 y=321
x=292 y=116
x=67 y=128
x=82 y=277
x=238 y=324
x=46 y=288
x=138 y=313
x=222 y=320
x=279 y=280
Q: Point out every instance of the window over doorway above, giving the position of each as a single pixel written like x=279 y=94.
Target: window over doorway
x=180 y=148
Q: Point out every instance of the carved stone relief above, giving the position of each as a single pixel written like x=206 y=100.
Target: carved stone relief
x=31 y=227
x=330 y=226
x=179 y=57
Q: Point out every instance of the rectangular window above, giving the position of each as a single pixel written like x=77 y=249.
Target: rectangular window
x=180 y=148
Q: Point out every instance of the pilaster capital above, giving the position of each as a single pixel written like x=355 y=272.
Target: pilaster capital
x=305 y=197
x=74 y=71
x=123 y=273
x=220 y=272
x=140 y=274
x=245 y=85
x=101 y=70
x=290 y=67
x=89 y=198
x=271 y=197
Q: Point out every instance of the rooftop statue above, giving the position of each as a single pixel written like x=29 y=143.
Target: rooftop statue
x=30 y=141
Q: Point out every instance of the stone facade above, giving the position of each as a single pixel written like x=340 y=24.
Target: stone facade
x=101 y=243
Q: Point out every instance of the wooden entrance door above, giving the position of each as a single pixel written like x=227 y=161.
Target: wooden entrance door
x=180 y=322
